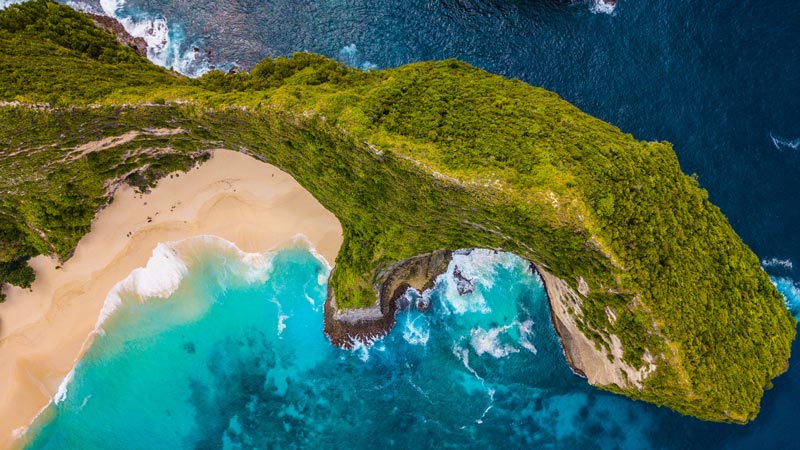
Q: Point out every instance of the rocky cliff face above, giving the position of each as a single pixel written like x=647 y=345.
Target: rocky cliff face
x=601 y=365
x=114 y=27
x=348 y=327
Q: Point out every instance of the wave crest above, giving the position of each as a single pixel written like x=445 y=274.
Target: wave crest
x=785 y=144
x=167 y=267
x=166 y=43
x=791 y=293
x=603 y=6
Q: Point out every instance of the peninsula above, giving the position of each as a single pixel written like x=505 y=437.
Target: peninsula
x=653 y=293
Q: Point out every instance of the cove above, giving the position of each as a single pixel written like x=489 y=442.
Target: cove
x=228 y=352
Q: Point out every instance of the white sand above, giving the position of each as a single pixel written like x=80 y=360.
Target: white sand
x=233 y=196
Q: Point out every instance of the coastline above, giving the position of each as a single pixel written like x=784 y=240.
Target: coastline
x=348 y=327
x=44 y=331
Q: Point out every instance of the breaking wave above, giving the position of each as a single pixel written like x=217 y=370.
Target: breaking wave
x=167 y=44
x=791 y=293
x=164 y=274
x=785 y=144
x=603 y=6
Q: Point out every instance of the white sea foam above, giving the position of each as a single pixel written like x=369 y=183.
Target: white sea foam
x=791 y=293
x=419 y=389
x=416 y=330
x=349 y=55
x=776 y=262
x=463 y=355
x=525 y=335
x=85 y=400
x=6 y=3
x=164 y=41
x=302 y=240
x=603 y=7
x=281 y=317
x=158 y=279
x=61 y=393
x=480 y=267
x=488 y=408
x=360 y=349
x=164 y=272
x=784 y=144
x=282 y=323
x=83 y=7
x=363 y=349
x=488 y=341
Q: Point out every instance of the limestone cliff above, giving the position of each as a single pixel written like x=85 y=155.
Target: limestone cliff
x=114 y=27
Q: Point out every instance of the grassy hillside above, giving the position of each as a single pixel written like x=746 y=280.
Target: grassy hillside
x=426 y=156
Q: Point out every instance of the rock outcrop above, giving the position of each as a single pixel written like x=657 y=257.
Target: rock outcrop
x=348 y=327
x=600 y=365
x=114 y=27
x=587 y=359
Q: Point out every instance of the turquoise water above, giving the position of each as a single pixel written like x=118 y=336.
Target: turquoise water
x=235 y=358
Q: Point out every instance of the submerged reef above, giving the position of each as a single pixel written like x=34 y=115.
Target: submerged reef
x=653 y=293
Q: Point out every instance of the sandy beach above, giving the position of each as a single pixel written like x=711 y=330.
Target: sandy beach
x=42 y=331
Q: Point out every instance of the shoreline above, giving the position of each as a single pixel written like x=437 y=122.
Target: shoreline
x=258 y=208
x=43 y=331
x=348 y=327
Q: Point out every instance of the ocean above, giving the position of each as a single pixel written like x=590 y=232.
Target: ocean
x=211 y=348
x=209 y=367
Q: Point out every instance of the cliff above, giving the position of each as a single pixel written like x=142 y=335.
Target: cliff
x=112 y=25
x=601 y=367
x=346 y=327
x=652 y=291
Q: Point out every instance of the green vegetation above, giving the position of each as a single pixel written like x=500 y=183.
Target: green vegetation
x=66 y=51
x=426 y=156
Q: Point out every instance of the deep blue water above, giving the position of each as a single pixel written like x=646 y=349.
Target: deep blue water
x=720 y=80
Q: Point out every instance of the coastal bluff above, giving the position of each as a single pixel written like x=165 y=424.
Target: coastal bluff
x=601 y=366
x=640 y=267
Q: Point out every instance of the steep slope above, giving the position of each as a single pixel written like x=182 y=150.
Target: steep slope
x=655 y=295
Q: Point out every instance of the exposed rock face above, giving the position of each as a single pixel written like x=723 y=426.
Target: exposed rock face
x=348 y=327
x=464 y=285
x=345 y=328
x=582 y=355
x=114 y=27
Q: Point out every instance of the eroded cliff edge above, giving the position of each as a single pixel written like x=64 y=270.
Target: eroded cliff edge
x=602 y=366
x=347 y=327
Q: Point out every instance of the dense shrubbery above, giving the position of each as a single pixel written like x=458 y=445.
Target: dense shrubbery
x=74 y=61
x=66 y=28
x=518 y=169
x=303 y=68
